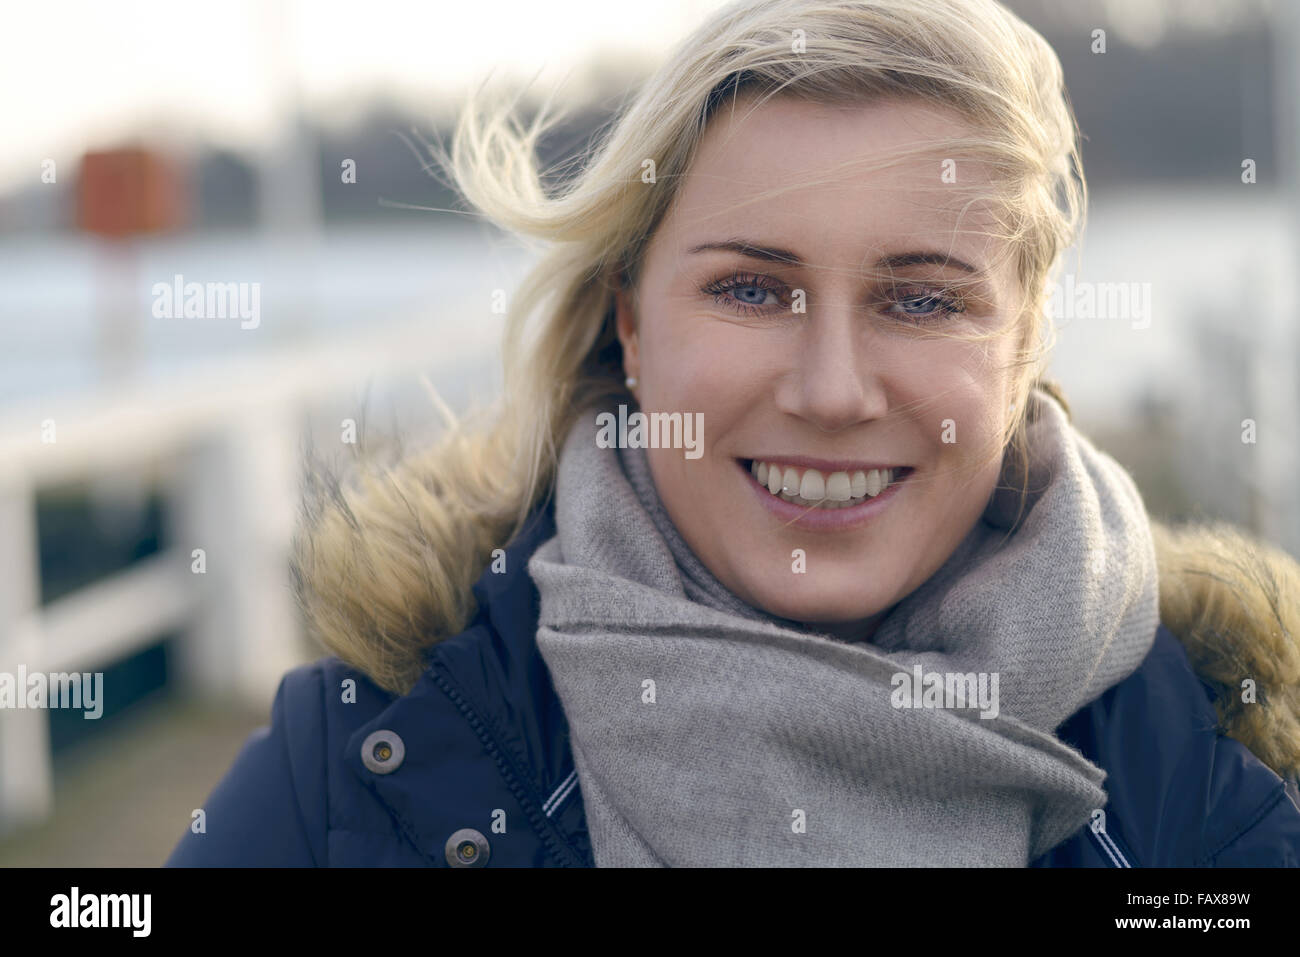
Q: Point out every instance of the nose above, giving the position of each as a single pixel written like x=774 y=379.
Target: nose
x=832 y=383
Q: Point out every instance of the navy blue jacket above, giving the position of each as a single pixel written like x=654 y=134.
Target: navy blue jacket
x=479 y=750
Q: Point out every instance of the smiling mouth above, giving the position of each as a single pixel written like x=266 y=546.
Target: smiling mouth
x=813 y=488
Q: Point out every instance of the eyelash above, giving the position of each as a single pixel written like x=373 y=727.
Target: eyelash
x=948 y=305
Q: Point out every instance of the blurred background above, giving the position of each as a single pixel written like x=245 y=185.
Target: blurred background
x=277 y=146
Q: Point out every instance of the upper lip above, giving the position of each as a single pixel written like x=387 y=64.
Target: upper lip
x=824 y=465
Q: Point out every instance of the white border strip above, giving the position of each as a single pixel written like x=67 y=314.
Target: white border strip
x=563 y=791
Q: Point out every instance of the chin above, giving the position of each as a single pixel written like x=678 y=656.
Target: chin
x=824 y=606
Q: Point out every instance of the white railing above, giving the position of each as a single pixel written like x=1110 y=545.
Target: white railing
x=225 y=444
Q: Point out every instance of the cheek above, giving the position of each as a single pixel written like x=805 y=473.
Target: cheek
x=696 y=363
x=967 y=398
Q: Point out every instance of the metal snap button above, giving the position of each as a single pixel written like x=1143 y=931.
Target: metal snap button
x=468 y=848
x=383 y=752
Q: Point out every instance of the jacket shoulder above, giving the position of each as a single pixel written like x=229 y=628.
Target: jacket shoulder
x=271 y=806
x=1181 y=793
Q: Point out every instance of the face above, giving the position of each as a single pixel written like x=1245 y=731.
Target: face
x=816 y=379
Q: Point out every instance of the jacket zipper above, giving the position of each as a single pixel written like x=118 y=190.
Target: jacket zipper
x=560 y=850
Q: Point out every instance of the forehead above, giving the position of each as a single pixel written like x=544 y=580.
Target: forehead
x=848 y=181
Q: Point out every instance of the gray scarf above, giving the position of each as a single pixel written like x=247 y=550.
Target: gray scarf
x=708 y=733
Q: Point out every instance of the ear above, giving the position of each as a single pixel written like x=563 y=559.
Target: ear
x=625 y=323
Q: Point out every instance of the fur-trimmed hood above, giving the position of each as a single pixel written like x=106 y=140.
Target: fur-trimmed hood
x=363 y=559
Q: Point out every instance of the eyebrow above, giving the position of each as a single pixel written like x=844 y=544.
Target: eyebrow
x=775 y=254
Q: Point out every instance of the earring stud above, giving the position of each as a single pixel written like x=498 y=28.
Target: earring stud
x=630 y=382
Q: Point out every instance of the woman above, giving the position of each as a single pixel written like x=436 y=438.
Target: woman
x=778 y=550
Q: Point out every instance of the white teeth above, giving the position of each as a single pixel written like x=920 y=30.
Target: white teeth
x=813 y=488
x=838 y=487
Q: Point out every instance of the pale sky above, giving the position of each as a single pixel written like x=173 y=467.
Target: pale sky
x=77 y=75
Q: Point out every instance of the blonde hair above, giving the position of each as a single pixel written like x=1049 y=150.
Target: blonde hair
x=471 y=492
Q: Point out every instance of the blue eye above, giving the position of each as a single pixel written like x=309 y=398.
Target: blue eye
x=756 y=287
x=925 y=305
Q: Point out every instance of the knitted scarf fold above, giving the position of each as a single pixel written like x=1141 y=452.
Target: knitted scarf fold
x=706 y=732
